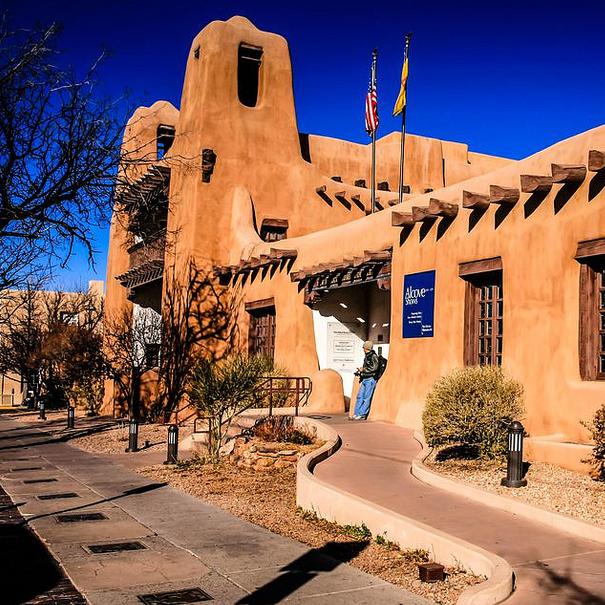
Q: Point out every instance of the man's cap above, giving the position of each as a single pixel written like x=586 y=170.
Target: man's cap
x=368 y=344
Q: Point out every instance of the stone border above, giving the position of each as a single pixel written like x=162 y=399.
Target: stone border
x=560 y=521
x=343 y=507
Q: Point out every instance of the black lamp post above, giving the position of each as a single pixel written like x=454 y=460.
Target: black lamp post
x=514 y=467
x=173 y=444
x=133 y=436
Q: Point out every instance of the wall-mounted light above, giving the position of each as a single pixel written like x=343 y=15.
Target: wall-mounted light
x=385 y=325
x=359 y=319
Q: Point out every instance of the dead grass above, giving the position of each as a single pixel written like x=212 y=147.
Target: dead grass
x=268 y=498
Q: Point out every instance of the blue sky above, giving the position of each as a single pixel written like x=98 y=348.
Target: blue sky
x=508 y=78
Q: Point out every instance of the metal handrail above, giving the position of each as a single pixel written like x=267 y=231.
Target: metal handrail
x=302 y=388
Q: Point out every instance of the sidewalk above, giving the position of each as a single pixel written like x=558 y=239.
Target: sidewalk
x=374 y=463
x=182 y=544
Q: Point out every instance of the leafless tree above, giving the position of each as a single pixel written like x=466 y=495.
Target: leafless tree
x=131 y=345
x=51 y=339
x=198 y=320
x=59 y=150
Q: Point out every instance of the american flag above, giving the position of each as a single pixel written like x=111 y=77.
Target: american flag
x=371 y=109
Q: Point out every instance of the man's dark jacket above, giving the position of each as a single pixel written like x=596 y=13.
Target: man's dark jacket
x=370 y=365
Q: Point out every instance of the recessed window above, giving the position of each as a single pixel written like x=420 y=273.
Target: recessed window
x=196 y=52
x=165 y=138
x=483 y=312
x=261 y=333
x=248 y=74
x=591 y=345
x=274 y=229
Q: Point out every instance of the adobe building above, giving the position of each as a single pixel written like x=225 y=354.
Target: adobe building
x=487 y=260
x=17 y=305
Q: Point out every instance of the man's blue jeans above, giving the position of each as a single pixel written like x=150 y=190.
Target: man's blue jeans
x=364 y=397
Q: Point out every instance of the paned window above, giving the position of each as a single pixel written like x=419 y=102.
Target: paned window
x=484 y=312
x=273 y=230
x=261 y=333
x=591 y=338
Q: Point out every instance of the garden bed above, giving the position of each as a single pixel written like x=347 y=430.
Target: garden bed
x=548 y=486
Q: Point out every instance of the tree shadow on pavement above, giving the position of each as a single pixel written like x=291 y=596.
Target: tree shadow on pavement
x=566 y=589
x=303 y=570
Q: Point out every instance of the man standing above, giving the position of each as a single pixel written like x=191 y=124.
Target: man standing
x=367 y=376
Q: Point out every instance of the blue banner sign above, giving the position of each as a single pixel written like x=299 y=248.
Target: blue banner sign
x=418 y=304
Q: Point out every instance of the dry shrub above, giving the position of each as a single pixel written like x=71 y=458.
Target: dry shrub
x=597 y=432
x=281 y=429
x=473 y=407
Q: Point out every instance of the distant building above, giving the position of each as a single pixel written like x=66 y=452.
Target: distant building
x=20 y=308
x=486 y=261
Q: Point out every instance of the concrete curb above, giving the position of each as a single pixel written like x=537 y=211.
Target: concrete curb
x=340 y=506
x=560 y=521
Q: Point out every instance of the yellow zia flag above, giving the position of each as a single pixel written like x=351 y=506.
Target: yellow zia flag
x=401 y=99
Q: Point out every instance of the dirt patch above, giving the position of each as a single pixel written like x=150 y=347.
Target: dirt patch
x=268 y=498
x=548 y=486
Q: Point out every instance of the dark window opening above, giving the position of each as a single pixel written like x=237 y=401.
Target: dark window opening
x=196 y=52
x=274 y=230
x=483 y=312
x=165 y=138
x=261 y=333
x=152 y=356
x=248 y=71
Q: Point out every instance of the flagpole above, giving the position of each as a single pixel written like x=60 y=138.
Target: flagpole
x=402 y=158
x=374 y=56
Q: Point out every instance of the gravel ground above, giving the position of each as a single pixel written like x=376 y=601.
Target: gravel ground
x=268 y=498
x=115 y=441
x=548 y=486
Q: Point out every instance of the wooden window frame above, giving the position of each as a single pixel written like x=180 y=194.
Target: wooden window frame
x=258 y=311
x=591 y=256
x=478 y=274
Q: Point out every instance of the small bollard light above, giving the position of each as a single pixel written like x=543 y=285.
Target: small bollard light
x=173 y=445
x=42 y=415
x=71 y=415
x=514 y=467
x=133 y=436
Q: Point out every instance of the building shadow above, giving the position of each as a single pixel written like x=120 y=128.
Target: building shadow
x=302 y=570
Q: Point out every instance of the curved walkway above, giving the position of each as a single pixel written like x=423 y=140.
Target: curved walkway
x=375 y=463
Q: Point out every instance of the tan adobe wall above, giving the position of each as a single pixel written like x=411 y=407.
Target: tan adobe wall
x=536 y=240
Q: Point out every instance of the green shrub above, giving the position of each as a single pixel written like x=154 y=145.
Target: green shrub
x=473 y=407
x=597 y=432
x=222 y=390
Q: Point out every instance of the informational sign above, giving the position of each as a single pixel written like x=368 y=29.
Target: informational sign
x=343 y=347
x=418 y=304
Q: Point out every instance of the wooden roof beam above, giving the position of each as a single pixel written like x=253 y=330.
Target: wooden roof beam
x=532 y=183
x=279 y=253
x=402 y=219
x=377 y=255
x=441 y=208
x=596 y=160
x=568 y=173
x=357 y=199
x=320 y=190
x=421 y=214
x=475 y=201
x=507 y=196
